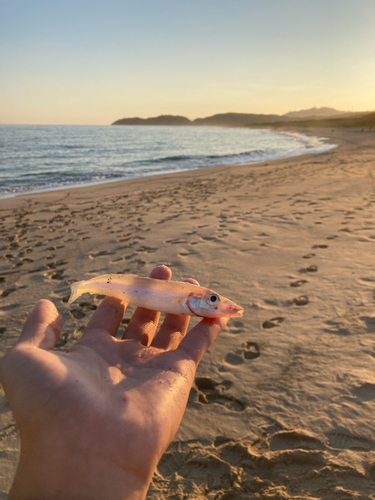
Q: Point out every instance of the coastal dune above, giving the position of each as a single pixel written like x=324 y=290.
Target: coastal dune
x=283 y=404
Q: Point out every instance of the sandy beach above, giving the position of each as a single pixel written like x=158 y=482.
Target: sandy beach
x=283 y=405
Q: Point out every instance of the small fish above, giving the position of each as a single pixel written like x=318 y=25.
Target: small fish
x=172 y=297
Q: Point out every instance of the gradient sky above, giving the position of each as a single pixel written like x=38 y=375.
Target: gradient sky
x=95 y=61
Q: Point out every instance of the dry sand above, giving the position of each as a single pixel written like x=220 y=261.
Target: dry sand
x=284 y=402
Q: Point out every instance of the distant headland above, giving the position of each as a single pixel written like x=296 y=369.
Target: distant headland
x=314 y=117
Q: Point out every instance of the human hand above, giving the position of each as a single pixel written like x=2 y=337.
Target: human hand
x=95 y=420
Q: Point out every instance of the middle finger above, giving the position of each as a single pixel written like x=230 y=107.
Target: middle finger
x=142 y=326
x=173 y=329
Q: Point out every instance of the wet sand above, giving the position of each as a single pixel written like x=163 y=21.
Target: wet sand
x=283 y=405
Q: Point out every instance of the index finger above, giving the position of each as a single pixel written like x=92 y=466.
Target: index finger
x=197 y=342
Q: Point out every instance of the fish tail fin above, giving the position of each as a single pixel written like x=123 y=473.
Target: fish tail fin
x=75 y=291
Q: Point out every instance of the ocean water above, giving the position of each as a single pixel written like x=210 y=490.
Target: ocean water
x=42 y=158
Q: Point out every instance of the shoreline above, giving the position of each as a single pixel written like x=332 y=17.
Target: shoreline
x=287 y=388
x=90 y=184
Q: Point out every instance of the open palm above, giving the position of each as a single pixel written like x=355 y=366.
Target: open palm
x=107 y=404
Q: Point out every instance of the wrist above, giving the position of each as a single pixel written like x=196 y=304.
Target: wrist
x=53 y=473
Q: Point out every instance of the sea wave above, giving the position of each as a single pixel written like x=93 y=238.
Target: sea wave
x=44 y=158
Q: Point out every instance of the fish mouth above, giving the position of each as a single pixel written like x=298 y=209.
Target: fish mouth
x=236 y=312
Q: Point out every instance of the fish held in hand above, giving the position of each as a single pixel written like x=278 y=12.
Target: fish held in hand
x=173 y=297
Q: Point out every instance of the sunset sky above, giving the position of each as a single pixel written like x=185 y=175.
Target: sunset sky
x=95 y=61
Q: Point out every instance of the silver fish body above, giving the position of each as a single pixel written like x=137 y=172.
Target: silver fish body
x=171 y=297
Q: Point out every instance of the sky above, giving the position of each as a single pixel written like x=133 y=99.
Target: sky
x=95 y=61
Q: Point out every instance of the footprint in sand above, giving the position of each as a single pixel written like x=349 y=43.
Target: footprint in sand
x=62 y=340
x=271 y=323
x=236 y=327
x=145 y=249
x=130 y=256
x=302 y=300
x=140 y=262
x=8 y=291
x=234 y=359
x=77 y=313
x=117 y=260
x=56 y=263
x=251 y=350
x=207 y=391
x=88 y=305
x=38 y=269
x=298 y=283
x=177 y=241
x=125 y=270
x=310 y=269
x=345 y=441
x=100 y=254
x=185 y=254
x=57 y=275
x=208 y=238
x=365 y=391
x=295 y=439
x=308 y=256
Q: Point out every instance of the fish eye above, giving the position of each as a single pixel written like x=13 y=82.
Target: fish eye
x=213 y=298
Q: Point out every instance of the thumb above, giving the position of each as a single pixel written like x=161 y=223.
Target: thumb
x=42 y=327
